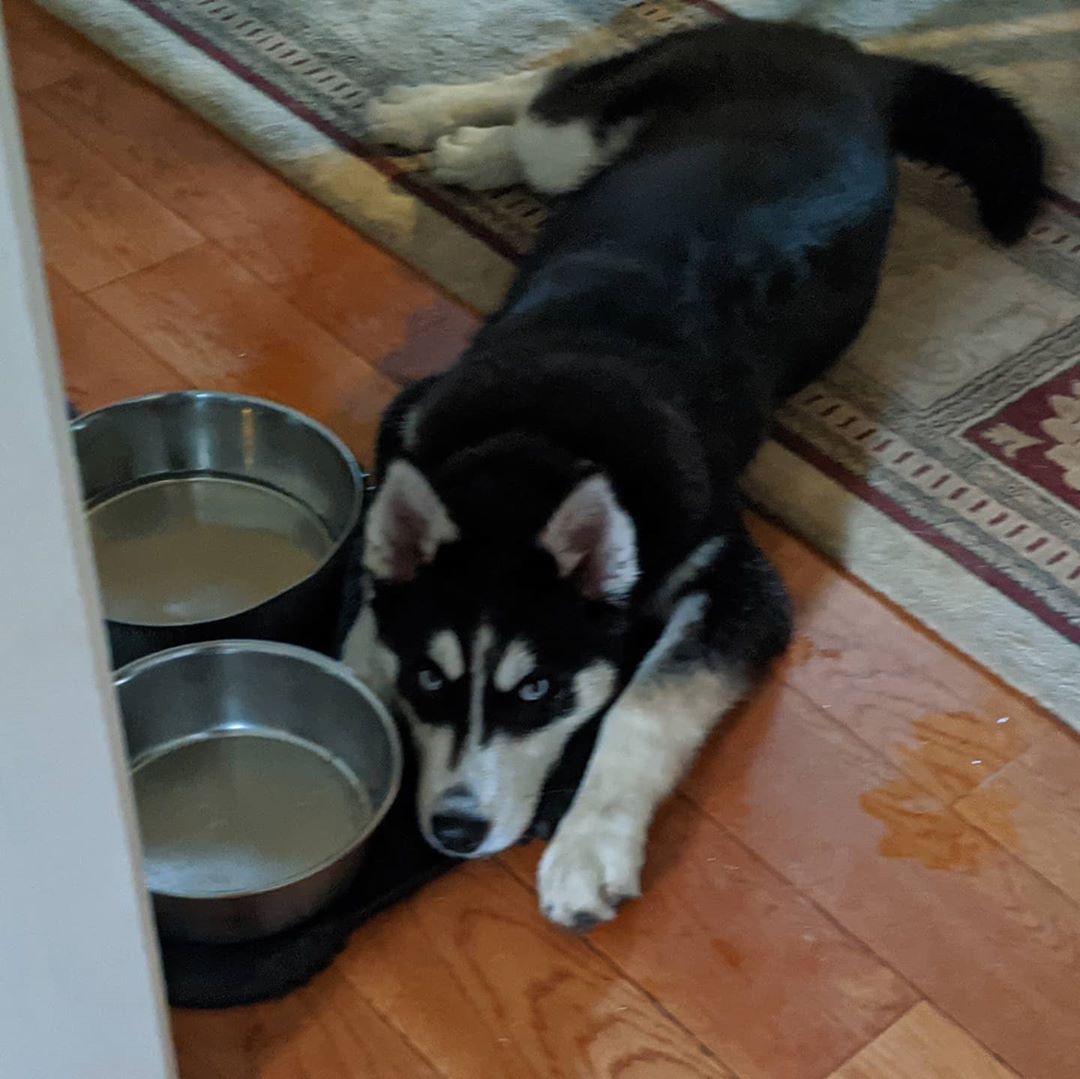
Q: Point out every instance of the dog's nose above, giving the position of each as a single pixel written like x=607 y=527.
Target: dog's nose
x=459 y=834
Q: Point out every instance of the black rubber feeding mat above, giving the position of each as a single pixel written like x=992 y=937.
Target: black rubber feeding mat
x=398 y=862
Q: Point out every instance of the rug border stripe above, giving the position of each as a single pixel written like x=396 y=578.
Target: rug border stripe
x=922 y=586
x=968 y=560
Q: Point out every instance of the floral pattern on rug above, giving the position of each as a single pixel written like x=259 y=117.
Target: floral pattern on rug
x=1039 y=428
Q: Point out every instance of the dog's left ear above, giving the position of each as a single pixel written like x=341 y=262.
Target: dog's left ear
x=406 y=525
x=593 y=541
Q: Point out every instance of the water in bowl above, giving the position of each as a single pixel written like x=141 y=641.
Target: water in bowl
x=242 y=811
x=198 y=548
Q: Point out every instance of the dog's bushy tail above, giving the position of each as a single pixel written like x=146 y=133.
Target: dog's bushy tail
x=947 y=119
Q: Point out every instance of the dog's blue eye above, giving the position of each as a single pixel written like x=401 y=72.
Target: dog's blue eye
x=429 y=680
x=534 y=690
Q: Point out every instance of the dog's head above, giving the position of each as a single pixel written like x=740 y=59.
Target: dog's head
x=503 y=632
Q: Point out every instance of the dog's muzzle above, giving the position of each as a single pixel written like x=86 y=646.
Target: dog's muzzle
x=457 y=825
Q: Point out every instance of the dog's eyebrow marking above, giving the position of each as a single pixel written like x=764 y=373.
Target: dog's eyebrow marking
x=517 y=661
x=444 y=650
x=478 y=672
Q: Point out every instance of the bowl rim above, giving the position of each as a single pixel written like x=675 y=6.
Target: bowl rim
x=333 y=667
x=356 y=471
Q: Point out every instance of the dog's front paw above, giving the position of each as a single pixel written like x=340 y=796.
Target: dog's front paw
x=408 y=116
x=591 y=866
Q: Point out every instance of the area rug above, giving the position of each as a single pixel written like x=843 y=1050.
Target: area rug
x=940 y=461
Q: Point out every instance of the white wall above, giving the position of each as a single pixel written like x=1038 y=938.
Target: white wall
x=80 y=993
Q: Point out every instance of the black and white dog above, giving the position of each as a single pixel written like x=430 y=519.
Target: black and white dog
x=556 y=554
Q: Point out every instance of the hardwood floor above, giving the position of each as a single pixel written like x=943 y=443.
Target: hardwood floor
x=872 y=873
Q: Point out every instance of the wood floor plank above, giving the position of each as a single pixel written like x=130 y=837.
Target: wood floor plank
x=924 y=1044
x=741 y=958
x=102 y=363
x=95 y=224
x=167 y=150
x=381 y=309
x=431 y=338
x=378 y=306
x=222 y=328
x=978 y=933
x=321 y=1031
x=483 y=986
x=42 y=49
x=1032 y=807
x=936 y=716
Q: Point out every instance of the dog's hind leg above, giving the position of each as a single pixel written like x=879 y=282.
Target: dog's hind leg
x=552 y=129
x=504 y=132
x=586 y=116
x=581 y=121
x=479 y=158
x=698 y=669
x=415 y=117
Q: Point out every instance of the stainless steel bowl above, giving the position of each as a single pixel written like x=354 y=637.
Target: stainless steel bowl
x=260 y=770
x=215 y=515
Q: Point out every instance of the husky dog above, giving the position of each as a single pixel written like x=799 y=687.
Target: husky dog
x=556 y=550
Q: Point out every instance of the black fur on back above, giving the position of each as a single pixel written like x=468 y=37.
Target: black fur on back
x=723 y=262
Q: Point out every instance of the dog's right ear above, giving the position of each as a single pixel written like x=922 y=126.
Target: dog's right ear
x=593 y=541
x=406 y=525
